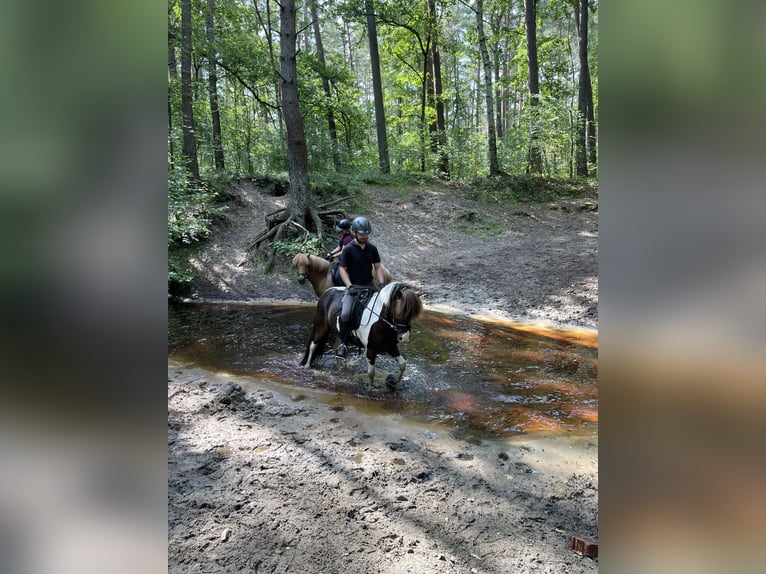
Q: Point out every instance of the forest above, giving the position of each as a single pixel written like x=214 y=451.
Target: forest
x=327 y=95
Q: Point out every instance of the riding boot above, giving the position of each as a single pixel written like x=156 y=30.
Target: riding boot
x=343 y=334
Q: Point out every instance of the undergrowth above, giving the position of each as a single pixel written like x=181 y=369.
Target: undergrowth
x=192 y=209
x=527 y=189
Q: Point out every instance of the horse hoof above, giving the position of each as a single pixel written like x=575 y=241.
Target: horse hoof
x=390 y=382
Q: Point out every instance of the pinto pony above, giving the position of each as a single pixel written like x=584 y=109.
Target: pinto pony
x=385 y=322
x=319 y=272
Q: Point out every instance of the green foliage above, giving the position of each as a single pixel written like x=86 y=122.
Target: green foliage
x=191 y=208
x=325 y=185
x=247 y=52
x=399 y=179
x=289 y=248
x=511 y=189
x=179 y=274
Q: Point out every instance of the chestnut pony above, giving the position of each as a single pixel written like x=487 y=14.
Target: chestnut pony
x=385 y=322
x=319 y=272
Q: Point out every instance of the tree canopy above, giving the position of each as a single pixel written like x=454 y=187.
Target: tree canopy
x=435 y=86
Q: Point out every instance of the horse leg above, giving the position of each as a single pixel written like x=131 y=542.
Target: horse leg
x=315 y=344
x=371 y=369
x=402 y=365
x=309 y=355
x=310 y=347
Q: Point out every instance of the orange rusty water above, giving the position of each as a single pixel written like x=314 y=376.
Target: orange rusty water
x=482 y=378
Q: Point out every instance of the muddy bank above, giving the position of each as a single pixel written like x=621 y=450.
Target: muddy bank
x=263 y=479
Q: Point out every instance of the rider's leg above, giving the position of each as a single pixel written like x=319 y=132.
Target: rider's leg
x=345 y=315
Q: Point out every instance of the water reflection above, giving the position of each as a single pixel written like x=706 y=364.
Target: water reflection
x=480 y=378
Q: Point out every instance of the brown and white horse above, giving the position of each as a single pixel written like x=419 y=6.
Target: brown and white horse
x=384 y=324
x=319 y=272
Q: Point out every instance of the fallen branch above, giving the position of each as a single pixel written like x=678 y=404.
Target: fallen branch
x=331 y=212
x=262 y=237
x=333 y=202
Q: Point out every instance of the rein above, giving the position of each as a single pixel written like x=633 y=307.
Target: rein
x=395 y=326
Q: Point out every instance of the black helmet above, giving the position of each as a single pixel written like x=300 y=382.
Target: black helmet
x=343 y=224
x=361 y=225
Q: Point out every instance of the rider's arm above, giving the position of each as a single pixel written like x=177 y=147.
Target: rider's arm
x=378 y=268
x=344 y=276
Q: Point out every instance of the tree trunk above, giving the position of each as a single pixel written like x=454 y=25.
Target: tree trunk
x=187 y=108
x=377 y=86
x=297 y=149
x=498 y=96
x=495 y=26
x=442 y=162
x=325 y=86
x=534 y=156
x=426 y=99
x=268 y=33
x=213 y=86
x=494 y=166
x=585 y=93
x=172 y=87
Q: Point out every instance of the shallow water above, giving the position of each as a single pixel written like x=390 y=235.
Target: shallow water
x=481 y=379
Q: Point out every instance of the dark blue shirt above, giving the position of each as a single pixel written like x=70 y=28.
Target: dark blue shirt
x=358 y=262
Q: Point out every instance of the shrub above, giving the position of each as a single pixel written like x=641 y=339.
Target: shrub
x=191 y=211
x=190 y=208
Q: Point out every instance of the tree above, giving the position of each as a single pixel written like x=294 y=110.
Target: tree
x=586 y=126
x=439 y=133
x=300 y=211
x=213 y=85
x=534 y=157
x=172 y=86
x=187 y=102
x=494 y=165
x=299 y=208
x=377 y=86
x=429 y=86
x=325 y=86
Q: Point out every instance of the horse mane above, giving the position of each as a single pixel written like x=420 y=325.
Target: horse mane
x=405 y=301
x=312 y=261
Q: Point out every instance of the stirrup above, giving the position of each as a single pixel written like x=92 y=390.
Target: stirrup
x=341 y=351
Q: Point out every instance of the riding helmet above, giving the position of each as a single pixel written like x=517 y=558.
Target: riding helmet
x=361 y=225
x=343 y=224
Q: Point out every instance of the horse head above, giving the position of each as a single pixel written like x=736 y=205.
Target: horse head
x=302 y=264
x=402 y=305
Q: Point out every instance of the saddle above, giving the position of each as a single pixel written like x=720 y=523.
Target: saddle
x=361 y=296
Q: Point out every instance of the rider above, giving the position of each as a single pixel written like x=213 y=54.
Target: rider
x=345 y=237
x=358 y=261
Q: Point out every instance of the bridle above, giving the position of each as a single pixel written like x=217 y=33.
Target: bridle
x=399 y=328
x=303 y=276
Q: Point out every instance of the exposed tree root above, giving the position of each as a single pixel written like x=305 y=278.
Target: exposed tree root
x=278 y=221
